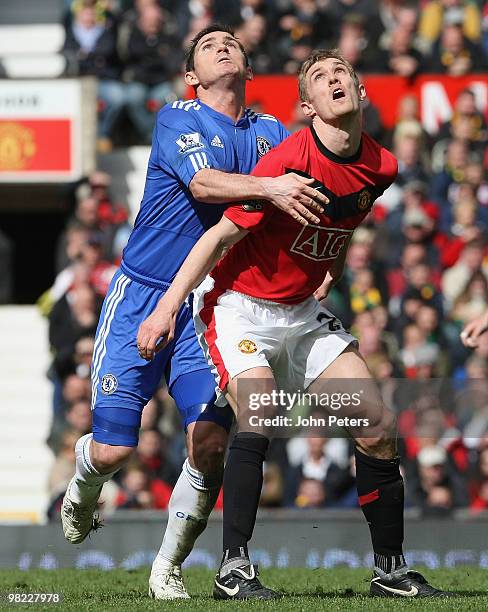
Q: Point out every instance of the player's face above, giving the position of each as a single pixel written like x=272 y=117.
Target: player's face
x=332 y=92
x=218 y=56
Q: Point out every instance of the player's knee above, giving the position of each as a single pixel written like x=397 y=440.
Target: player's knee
x=107 y=458
x=207 y=451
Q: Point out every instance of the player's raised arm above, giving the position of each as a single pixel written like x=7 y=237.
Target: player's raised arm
x=158 y=329
x=291 y=193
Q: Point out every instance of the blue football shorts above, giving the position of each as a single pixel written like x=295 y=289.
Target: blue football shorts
x=123 y=382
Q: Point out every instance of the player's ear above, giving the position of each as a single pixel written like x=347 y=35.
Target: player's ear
x=191 y=79
x=249 y=73
x=362 y=92
x=307 y=109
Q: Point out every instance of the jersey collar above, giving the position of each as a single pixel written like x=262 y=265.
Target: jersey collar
x=243 y=121
x=332 y=156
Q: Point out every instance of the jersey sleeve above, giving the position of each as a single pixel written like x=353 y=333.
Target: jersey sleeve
x=254 y=215
x=181 y=144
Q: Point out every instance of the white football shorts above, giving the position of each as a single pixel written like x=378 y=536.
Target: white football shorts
x=238 y=332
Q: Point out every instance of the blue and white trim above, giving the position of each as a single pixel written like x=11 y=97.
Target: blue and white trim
x=100 y=349
x=186 y=105
x=199 y=161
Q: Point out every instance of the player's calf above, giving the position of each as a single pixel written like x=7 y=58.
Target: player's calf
x=206 y=447
x=107 y=458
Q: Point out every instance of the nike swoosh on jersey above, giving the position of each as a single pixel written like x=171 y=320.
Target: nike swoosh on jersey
x=230 y=592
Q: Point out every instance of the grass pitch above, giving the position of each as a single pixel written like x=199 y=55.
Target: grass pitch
x=305 y=590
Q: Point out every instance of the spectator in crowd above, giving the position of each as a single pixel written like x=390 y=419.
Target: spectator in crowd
x=321 y=460
x=479 y=493
x=465 y=109
x=472 y=302
x=73 y=317
x=453 y=53
x=141 y=492
x=253 y=34
x=436 y=13
x=401 y=58
x=91 y=49
x=456 y=278
x=436 y=488
x=355 y=45
x=409 y=148
x=236 y=12
x=152 y=57
x=453 y=171
x=152 y=454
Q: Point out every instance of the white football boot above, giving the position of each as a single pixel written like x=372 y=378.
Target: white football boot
x=166 y=581
x=78 y=520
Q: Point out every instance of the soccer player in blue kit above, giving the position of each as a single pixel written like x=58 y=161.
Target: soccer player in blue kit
x=201 y=154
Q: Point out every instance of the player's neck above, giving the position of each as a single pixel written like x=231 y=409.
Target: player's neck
x=342 y=138
x=230 y=102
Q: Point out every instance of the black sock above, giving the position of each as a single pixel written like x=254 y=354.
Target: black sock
x=243 y=480
x=381 y=497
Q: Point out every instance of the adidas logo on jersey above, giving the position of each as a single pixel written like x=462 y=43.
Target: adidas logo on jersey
x=216 y=142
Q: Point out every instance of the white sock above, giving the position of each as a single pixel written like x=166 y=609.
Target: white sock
x=191 y=502
x=87 y=484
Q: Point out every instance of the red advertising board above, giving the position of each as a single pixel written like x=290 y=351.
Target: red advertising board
x=40 y=145
x=47 y=129
x=278 y=94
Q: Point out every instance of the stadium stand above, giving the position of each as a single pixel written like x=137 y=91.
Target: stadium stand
x=31 y=36
x=26 y=398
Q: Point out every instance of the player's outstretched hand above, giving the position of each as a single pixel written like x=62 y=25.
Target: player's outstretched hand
x=472 y=331
x=156 y=331
x=294 y=195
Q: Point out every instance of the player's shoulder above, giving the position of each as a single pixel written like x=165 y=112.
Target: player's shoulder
x=285 y=154
x=179 y=110
x=255 y=117
x=388 y=162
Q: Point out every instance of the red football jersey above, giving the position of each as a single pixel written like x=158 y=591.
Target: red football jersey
x=281 y=260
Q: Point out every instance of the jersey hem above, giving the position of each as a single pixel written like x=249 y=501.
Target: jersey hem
x=144 y=280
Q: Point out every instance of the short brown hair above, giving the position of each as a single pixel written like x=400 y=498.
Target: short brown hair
x=214 y=27
x=317 y=56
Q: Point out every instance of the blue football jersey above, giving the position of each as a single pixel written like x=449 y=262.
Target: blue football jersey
x=189 y=136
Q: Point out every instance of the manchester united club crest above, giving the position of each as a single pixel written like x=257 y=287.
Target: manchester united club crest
x=17 y=146
x=364 y=200
x=263 y=146
x=247 y=346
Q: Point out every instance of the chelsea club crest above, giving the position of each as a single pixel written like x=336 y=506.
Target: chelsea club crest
x=109 y=384
x=263 y=146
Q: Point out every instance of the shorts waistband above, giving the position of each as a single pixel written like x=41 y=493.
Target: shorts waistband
x=268 y=302
x=144 y=280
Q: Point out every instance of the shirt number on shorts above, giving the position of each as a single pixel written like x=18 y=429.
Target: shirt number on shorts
x=333 y=323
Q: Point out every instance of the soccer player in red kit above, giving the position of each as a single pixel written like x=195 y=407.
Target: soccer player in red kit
x=261 y=325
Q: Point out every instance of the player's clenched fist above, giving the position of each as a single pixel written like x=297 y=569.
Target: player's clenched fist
x=473 y=331
x=156 y=331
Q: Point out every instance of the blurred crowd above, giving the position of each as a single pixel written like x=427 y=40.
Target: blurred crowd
x=417 y=269
x=135 y=49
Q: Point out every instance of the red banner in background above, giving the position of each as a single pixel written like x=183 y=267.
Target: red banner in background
x=278 y=95
x=35 y=145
